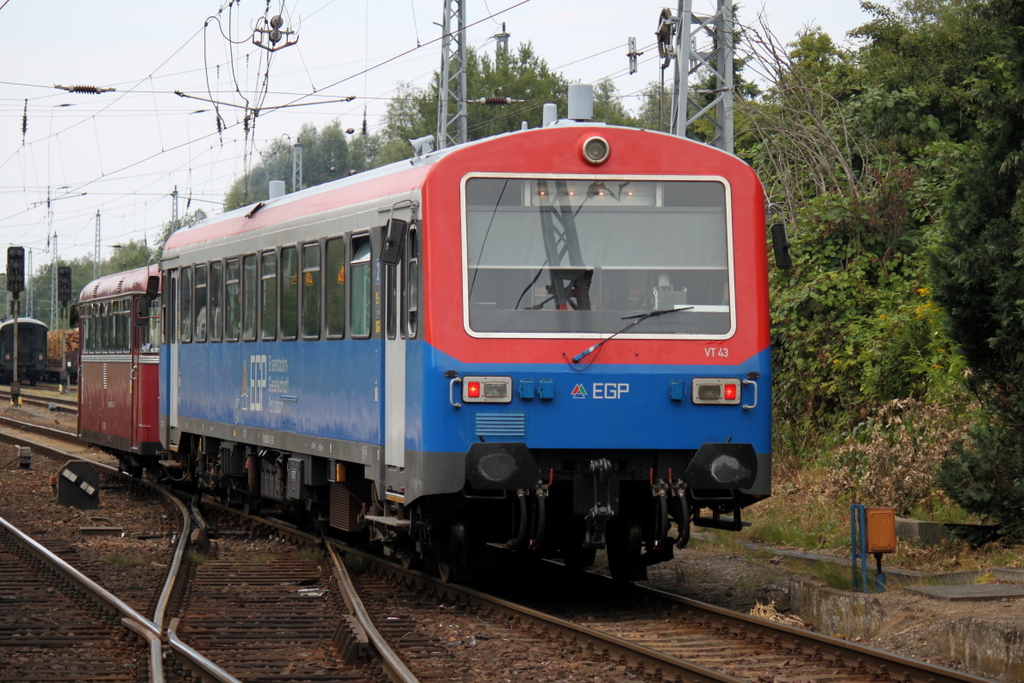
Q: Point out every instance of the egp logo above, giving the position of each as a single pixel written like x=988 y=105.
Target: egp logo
x=609 y=390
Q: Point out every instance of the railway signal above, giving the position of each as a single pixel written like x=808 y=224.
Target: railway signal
x=15 y=285
x=15 y=270
x=64 y=285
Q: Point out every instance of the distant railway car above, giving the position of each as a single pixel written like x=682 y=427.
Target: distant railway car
x=555 y=339
x=69 y=356
x=118 y=382
x=31 y=350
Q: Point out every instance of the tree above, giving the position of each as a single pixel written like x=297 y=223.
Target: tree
x=325 y=156
x=977 y=273
x=129 y=256
x=171 y=227
x=521 y=75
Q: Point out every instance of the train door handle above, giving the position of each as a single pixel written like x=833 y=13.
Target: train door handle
x=451 y=392
x=754 y=404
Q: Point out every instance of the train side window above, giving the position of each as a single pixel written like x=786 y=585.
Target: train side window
x=216 y=300
x=268 y=294
x=170 y=309
x=391 y=292
x=362 y=290
x=185 y=305
x=410 y=285
x=114 y=342
x=334 y=279
x=249 y=307
x=311 y=291
x=151 y=340
x=124 y=326
x=108 y=320
x=232 y=300
x=120 y=327
x=289 y=293
x=200 y=303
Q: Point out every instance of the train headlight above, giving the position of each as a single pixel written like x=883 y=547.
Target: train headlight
x=487 y=389
x=595 y=150
x=715 y=391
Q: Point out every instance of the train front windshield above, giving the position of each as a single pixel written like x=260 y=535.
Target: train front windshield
x=550 y=256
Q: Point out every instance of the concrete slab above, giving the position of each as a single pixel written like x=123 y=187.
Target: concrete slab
x=987 y=591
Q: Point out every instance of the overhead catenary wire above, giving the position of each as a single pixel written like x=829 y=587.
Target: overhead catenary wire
x=201 y=160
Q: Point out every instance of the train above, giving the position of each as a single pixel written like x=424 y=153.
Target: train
x=118 y=391
x=66 y=359
x=554 y=341
x=31 y=352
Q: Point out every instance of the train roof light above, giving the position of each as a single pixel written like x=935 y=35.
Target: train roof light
x=595 y=150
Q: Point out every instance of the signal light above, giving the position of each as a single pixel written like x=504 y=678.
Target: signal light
x=478 y=389
x=716 y=391
x=15 y=270
x=64 y=285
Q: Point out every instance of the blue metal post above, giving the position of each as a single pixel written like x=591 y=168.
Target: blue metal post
x=862 y=518
x=853 y=542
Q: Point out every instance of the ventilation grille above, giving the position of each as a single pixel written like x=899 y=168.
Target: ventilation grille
x=500 y=425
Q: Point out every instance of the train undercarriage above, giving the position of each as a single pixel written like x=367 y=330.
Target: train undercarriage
x=633 y=506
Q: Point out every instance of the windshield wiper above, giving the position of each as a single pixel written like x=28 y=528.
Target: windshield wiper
x=637 y=319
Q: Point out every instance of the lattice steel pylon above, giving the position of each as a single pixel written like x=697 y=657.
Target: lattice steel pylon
x=452 y=129
x=689 y=29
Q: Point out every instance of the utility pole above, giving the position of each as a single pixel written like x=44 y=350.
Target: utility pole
x=53 y=282
x=96 y=249
x=174 y=207
x=452 y=130
x=686 y=28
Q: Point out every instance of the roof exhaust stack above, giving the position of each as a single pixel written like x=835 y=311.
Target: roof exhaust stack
x=276 y=189
x=550 y=114
x=581 y=102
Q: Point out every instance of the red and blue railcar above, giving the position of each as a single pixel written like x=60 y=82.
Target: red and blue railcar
x=555 y=339
x=118 y=382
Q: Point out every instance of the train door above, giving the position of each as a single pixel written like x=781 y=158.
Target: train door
x=391 y=260
x=171 y=336
x=135 y=372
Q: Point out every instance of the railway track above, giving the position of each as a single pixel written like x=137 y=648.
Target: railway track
x=633 y=633
x=52 y=401
x=56 y=625
x=646 y=633
x=263 y=609
x=275 y=590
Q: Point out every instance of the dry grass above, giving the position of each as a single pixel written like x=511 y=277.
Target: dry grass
x=771 y=614
x=889 y=461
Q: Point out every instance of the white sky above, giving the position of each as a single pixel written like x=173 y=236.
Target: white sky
x=127 y=150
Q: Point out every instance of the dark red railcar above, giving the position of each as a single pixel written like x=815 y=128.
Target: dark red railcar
x=118 y=389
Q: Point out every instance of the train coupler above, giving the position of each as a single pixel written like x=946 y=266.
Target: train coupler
x=601 y=512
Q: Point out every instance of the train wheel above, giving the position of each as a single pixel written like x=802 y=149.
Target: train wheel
x=453 y=561
x=409 y=558
x=579 y=558
x=625 y=543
